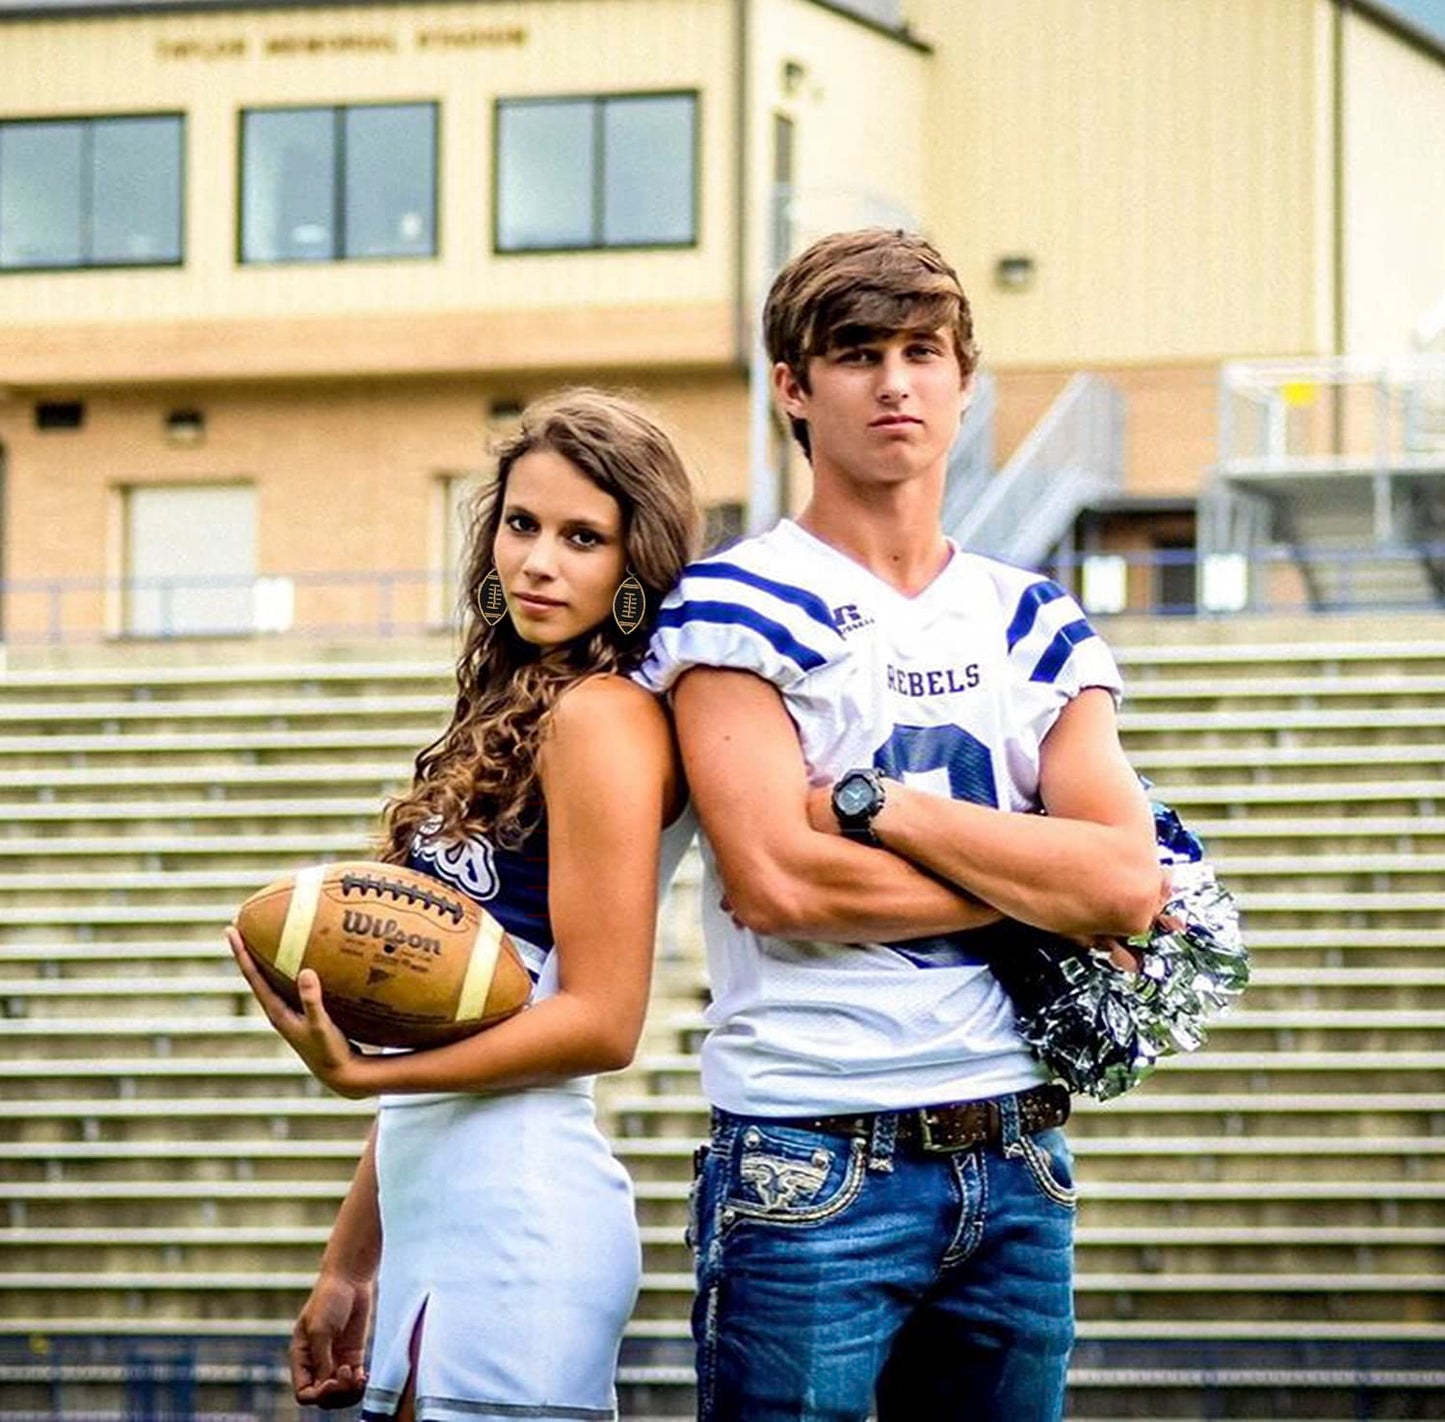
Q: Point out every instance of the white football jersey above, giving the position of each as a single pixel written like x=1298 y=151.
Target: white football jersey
x=950 y=691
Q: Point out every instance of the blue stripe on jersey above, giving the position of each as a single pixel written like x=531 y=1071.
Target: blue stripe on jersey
x=1057 y=652
x=945 y=950
x=730 y=614
x=1037 y=596
x=811 y=603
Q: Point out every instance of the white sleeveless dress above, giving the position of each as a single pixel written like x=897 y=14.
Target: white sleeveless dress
x=509 y=1231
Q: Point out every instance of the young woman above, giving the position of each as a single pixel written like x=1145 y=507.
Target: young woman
x=487 y=1213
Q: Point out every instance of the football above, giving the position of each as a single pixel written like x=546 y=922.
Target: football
x=404 y=960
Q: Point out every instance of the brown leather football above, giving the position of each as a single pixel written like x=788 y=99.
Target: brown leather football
x=404 y=960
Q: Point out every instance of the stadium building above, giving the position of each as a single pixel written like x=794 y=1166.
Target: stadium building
x=272 y=278
x=271 y=274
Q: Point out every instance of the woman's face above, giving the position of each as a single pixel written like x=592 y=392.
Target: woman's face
x=558 y=550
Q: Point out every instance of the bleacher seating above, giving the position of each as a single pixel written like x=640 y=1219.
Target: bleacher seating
x=1261 y=1229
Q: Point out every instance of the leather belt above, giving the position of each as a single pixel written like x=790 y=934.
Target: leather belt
x=954 y=1125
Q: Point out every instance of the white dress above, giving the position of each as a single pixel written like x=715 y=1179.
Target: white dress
x=508 y=1227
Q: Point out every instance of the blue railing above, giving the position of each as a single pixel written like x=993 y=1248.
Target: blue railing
x=384 y=605
x=1273 y=579
x=78 y=610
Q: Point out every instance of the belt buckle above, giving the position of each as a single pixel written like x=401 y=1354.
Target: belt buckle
x=932 y=1146
x=926 y=1143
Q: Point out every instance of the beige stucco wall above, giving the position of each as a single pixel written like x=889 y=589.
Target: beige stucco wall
x=1157 y=160
x=1394 y=192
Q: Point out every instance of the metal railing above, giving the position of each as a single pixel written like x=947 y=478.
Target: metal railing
x=78 y=610
x=1268 y=579
x=1343 y=415
x=1072 y=456
x=381 y=606
x=971 y=460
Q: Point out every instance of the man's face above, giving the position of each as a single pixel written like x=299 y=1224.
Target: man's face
x=881 y=406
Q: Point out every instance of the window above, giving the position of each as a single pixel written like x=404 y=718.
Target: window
x=91 y=192
x=338 y=184
x=596 y=172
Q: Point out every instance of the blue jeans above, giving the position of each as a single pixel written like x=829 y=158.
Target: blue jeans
x=839 y=1275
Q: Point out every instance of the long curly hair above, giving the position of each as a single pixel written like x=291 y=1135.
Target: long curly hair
x=480 y=774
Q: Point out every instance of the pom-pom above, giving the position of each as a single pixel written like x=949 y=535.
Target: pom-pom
x=1101 y=1028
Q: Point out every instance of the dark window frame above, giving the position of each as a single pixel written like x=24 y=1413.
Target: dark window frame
x=338 y=114
x=599 y=101
x=87 y=216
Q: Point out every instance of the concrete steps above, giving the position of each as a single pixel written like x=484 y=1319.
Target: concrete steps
x=167 y=1170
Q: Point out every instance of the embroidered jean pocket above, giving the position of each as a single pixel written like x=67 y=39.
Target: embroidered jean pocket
x=1050 y=1164
x=792 y=1177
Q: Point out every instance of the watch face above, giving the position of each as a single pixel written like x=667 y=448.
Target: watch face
x=853 y=796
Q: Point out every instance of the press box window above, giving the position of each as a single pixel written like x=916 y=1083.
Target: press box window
x=338 y=184
x=91 y=192
x=596 y=172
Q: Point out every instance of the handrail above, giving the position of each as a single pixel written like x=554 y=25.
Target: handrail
x=1399 y=369
x=1337 y=415
x=970 y=461
x=1361 y=577
x=1074 y=454
x=384 y=604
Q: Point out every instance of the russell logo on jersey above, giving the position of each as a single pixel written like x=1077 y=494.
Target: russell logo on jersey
x=848 y=619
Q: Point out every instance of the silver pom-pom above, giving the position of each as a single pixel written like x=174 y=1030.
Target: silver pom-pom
x=1101 y=1028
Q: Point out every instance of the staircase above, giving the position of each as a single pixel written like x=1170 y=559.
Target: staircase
x=1261 y=1232
x=1346 y=457
x=1071 y=459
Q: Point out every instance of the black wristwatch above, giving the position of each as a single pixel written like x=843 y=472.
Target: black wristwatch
x=857 y=798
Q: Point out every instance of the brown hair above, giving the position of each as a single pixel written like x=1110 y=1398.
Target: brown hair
x=859 y=285
x=480 y=775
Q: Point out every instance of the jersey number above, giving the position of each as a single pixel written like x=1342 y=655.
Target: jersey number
x=920 y=750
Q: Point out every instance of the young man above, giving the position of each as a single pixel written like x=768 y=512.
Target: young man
x=872 y=722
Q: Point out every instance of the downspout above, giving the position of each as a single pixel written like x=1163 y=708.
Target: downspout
x=1337 y=214
x=741 y=96
x=764 y=495
x=1337 y=193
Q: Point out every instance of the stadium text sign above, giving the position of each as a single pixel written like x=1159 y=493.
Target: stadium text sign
x=432 y=38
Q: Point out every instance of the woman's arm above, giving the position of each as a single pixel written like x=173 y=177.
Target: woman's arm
x=783 y=877
x=328 y=1342
x=610 y=779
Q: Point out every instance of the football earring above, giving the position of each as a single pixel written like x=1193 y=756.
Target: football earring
x=491 y=600
x=629 y=604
